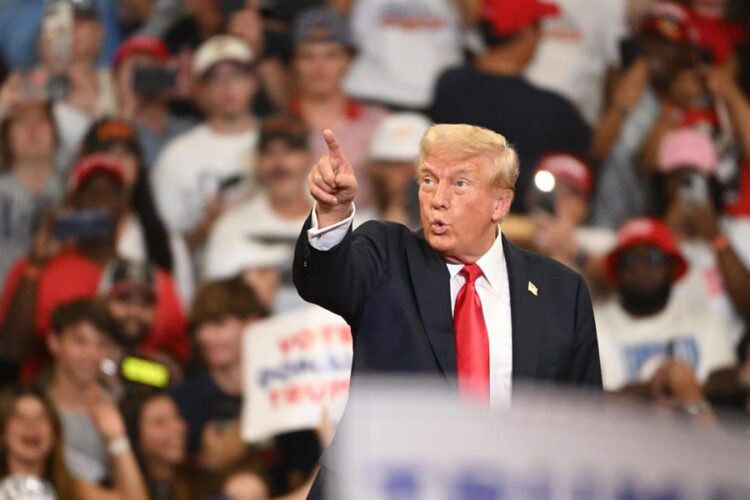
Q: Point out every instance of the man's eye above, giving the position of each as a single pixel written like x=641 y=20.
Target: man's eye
x=461 y=183
x=427 y=181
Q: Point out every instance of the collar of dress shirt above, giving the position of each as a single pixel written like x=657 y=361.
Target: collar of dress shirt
x=491 y=263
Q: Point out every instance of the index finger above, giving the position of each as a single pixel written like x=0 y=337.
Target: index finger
x=334 y=148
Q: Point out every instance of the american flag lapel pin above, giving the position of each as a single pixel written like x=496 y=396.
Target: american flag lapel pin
x=533 y=289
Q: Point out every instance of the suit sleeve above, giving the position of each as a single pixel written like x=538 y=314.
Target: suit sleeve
x=342 y=278
x=585 y=370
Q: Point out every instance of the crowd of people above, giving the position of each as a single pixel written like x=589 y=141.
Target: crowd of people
x=153 y=166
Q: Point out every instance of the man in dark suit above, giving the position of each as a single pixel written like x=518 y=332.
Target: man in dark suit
x=454 y=299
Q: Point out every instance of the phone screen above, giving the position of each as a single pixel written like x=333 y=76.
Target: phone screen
x=693 y=189
x=152 y=80
x=91 y=224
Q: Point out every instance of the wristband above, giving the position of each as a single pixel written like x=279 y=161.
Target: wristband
x=720 y=242
x=697 y=408
x=118 y=446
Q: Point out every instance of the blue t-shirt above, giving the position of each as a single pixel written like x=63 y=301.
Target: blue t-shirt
x=201 y=401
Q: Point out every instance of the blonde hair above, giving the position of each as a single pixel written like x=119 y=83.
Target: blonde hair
x=459 y=142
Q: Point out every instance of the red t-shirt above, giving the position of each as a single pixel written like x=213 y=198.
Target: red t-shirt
x=70 y=276
x=718 y=35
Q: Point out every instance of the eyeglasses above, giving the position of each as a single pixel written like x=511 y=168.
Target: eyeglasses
x=652 y=257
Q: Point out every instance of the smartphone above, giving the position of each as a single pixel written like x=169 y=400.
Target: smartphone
x=630 y=49
x=57 y=33
x=693 y=189
x=154 y=79
x=544 y=202
x=144 y=371
x=542 y=194
x=88 y=224
x=230 y=182
x=58 y=86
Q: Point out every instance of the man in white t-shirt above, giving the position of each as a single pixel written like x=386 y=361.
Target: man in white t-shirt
x=403 y=45
x=202 y=171
x=576 y=50
x=646 y=325
x=274 y=215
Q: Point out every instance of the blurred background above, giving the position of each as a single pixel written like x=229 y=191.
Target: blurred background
x=153 y=163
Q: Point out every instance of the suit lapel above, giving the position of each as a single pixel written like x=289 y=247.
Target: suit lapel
x=523 y=306
x=431 y=284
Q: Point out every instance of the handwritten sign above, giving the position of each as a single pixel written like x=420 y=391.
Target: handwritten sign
x=296 y=365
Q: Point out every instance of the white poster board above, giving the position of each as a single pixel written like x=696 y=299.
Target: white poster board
x=402 y=442
x=295 y=365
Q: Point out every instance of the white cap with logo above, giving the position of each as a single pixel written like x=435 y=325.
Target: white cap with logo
x=243 y=254
x=221 y=48
x=398 y=136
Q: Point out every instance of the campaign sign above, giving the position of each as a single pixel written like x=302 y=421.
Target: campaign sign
x=416 y=443
x=295 y=365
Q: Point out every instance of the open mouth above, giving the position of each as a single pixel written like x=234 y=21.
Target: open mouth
x=438 y=227
x=31 y=441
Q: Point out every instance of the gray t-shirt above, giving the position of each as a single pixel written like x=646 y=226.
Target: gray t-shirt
x=622 y=192
x=85 y=450
x=20 y=215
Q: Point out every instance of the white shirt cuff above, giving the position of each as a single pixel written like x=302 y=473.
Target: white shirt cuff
x=328 y=237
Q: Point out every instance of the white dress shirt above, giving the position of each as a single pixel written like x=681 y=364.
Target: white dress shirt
x=492 y=287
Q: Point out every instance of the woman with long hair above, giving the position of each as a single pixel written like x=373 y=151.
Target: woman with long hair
x=159 y=436
x=30 y=445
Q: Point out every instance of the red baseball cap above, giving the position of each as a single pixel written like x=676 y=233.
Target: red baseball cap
x=507 y=17
x=90 y=165
x=568 y=169
x=645 y=231
x=671 y=21
x=141 y=44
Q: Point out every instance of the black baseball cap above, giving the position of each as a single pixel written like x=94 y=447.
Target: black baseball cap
x=128 y=276
x=107 y=132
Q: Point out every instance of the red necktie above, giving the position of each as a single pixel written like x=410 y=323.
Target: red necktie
x=472 y=343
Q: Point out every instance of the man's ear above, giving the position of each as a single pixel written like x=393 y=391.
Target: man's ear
x=501 y=205
x=53 y=343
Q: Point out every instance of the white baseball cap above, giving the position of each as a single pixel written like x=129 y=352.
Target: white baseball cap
x=398 y=136
x=243 y=254
x=220 y=48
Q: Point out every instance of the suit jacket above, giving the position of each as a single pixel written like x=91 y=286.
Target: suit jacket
x=394 y=291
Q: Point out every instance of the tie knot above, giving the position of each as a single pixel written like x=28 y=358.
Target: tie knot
x=471 y=272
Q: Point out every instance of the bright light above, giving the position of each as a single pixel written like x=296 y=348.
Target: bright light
x=544 y=181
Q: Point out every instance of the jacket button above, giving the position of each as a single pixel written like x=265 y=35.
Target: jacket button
x=304 y=263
